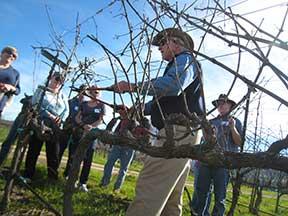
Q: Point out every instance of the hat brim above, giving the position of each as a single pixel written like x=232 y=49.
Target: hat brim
x=173 y=32
x=215 y=102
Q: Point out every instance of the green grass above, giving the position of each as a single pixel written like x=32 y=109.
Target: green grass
x=102 y=201
x=3 y=132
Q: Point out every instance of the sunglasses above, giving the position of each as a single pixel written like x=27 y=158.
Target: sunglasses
x=58 y=79
x=10 y=52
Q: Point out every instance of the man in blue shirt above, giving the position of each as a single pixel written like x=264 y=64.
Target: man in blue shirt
x=161 y=182
x=9 y=77
x=228 y=133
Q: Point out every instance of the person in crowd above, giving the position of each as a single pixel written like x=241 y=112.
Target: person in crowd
x=53 y=108
x=228 y=130
x=124 y=154
x=70 y=122
x=9 y=77
x=90 y=116
x=161 y=182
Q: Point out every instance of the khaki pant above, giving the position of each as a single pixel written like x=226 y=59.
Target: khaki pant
x=161 y=182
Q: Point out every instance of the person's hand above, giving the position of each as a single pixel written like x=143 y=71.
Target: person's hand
x=140 y=132
x=57 y=120
x=4 y=87
x=122 y=87
x=87 y=127
x=8 y=87
x=231 y=122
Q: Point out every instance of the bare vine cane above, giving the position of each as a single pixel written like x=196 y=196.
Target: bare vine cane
x=74 y=172
x=21 y=146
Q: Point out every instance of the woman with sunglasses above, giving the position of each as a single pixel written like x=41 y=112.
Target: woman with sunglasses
x=53 y=110
x=9 y=77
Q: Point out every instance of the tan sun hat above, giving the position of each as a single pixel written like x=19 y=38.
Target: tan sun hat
x=224 y=98
x=174 y=32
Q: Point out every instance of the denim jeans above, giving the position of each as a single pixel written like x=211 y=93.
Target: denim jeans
x=11 y=138
x=219 y=177
x=195 y=199
x=125 y=155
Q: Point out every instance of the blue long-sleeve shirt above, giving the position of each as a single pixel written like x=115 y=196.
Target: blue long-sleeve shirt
x=178 y=75
x=9 y=76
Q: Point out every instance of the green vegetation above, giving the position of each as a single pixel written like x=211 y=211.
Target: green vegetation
x=3 y=132
x=102 y=201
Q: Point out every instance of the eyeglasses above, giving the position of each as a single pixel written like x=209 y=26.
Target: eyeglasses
x=10 y=52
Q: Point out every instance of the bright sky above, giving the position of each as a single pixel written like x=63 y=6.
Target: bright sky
x=27 y=23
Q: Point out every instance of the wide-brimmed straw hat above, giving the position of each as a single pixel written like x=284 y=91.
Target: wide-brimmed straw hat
x=224 y=98
x=176 y=33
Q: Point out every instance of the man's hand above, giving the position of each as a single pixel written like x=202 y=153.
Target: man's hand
x=123 y=86
x=231 y=122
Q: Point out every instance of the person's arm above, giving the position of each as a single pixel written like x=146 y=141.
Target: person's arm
x=176 y=79
x=78 y=118
x=36 y=99
x=64 y=114
x=236 y=133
